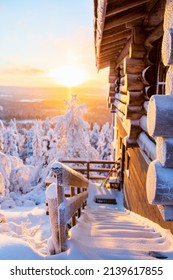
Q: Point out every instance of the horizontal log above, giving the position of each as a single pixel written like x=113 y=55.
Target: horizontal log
x=133 y=66
x=133 y=112
x=135 y=98
x=156 y=14
x=167 y=212
x=160 y=116
x=145 y=106
x=136 y=51
x=133 y=82
x=112 y=93
x=150 y=90
x=133 y=129
x=143 y=123
x=151 y=56
x=121 y=97
x=147 y=145
x=169 y=81
x=120 y=106
x=154 y=35
x=164 y=151
x=149 y=75
x=129 y=143
x=67 y=176
x=167 y=47
x=112 y=78
x=159 y=184
x=123 y=53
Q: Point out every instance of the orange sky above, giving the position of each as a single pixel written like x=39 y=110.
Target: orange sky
x=48 y=43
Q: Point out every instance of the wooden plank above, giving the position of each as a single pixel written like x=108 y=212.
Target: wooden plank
x=116 y=46
x=122 y=6
x=123 y=18
x=121 y=128
x=114 y=38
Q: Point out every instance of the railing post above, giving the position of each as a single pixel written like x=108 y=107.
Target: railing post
x=88 y=170
x=79 y=210
x=73 y=220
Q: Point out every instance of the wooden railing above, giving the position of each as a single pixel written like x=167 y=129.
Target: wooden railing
x=87 y=167
x=62 y=209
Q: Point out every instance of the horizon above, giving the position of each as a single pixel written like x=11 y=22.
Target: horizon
x=48 y=44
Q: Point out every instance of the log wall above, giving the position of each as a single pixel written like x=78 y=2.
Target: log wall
x=160 y=122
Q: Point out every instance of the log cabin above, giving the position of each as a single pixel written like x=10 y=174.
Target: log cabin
x=135 y=40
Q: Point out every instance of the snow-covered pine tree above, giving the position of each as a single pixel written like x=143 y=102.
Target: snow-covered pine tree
x=105 y=142
x=2 y=129
x=11 y=140
x=94 y=135
x=73 y=134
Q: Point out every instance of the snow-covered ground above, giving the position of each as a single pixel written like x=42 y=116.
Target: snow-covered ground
x=103 y=232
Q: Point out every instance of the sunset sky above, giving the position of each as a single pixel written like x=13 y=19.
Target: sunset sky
x=45 y=43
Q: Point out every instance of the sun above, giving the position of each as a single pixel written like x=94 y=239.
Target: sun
x=69 y=75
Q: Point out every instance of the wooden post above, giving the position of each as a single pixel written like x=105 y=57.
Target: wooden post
x=159 y=184
x=79 y=210
x=88 y=170
x=72 y=193
x=51 y=195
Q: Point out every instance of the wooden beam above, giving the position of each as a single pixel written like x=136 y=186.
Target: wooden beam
x=121 y=19
x=133 y=66
x=116 y=37
x=116 y=30
x=121 y=7
x=123 y=53
x=154 y=35
x=113 y=45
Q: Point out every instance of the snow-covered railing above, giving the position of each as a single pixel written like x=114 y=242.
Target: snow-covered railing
x=88 y=167
x=62 y=209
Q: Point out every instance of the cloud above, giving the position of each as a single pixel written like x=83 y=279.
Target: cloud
x=22 y=71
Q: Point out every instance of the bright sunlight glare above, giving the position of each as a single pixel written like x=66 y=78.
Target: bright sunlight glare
x=69 y=75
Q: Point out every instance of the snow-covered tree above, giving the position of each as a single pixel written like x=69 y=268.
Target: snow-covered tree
x=2 y=130
x=105 y=142
x=11 y=140
x=73 y=134
x=94 y=135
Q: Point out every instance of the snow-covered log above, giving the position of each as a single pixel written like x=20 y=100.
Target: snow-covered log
x=160 y=116
x=129 y=142
x=166 y=212
x=167 y=47
x=51 y=196
x=159 y=184
x=164 y=151
x=145 y=106
x=143 y=123
x=66 y=210
x=147 y=145
x=67 y=176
